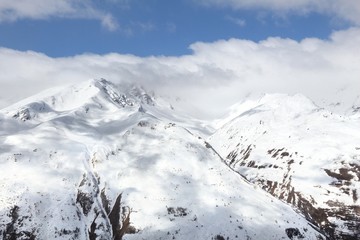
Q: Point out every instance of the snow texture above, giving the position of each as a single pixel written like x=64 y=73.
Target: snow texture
x=99 y=161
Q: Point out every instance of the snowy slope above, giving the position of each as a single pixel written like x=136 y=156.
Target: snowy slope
x=304 y=155
x=95 y=161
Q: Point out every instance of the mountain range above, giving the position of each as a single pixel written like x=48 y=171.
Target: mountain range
x=97 y=160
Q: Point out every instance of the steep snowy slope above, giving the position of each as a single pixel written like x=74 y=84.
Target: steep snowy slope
x=355 y=109
x=93 y=161
x=304 y=155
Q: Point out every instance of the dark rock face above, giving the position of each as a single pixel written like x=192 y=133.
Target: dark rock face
x=12 y=231
x=177 y=212
x=240 y=159
x=23 y=114
x=294 y=233
x=103 y=221
x=86 y=201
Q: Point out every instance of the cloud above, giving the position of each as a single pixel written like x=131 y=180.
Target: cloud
x=348 y=10
x=238 y=21
x=215 y=76
x=109 y=22
x=11 y=10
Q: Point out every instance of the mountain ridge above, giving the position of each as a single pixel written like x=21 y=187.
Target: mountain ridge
x=103 y=160
x=309 y=160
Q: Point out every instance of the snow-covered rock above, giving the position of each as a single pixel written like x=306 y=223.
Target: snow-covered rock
x=98 y=161
x=302 y=154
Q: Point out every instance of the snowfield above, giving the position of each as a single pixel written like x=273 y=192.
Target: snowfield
x=99 y=161
x=302 y=154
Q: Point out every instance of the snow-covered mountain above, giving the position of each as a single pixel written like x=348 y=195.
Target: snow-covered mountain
x=302 y=154
x=101 y=161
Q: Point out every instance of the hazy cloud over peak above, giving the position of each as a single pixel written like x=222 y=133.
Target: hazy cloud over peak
x=212 y=78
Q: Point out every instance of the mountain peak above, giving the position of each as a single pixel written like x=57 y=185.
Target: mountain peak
x=98 y=93
x=297 y=102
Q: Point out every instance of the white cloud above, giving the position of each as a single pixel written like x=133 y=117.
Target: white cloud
x=109 y=22
x=348 y=10
x=215 y=76
x=13 y=10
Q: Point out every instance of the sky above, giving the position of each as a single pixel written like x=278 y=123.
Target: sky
x=146 y=27
x=192 y=49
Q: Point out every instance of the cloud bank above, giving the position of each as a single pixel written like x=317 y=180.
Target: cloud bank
x=348 y=10
x=13 y=10
x=212 y=78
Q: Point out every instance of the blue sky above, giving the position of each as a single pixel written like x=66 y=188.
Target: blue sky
x=157 y=27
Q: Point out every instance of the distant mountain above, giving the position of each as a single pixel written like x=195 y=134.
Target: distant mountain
x=302 y=154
